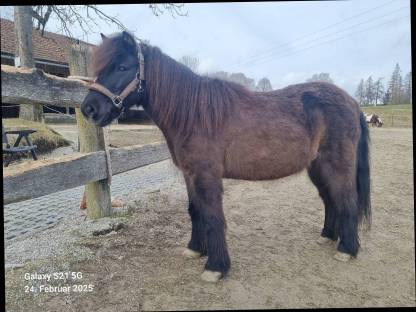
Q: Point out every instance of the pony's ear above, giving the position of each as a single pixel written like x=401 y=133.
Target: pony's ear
x=103 y=37
x=129 y=41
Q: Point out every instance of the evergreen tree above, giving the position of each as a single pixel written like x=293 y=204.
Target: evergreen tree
x=407 y=88
x=395 y=86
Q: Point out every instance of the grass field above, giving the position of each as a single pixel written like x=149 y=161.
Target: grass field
x=392 y=115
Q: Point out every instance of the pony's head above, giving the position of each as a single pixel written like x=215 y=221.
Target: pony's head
x=115 y=63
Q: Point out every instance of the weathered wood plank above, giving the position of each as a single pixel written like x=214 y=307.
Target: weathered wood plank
x=38 y=178
x=91 y=139
x=42 y=177
x=33 y=86
x=130 y=157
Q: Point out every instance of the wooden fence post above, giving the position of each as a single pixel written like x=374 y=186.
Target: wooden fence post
x=91 y=139
x=24 y=49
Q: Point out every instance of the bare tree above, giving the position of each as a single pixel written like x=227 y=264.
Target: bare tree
x=192 y=62
x=369 y=91
x=220 y=75
x=87 y=16
x=264 y=85
x=359 y=94
x=320 y=77
x=239 y=78
x=378 y=90
x=243 y=80
x=173 y=8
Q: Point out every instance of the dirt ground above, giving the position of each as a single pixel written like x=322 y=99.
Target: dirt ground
x=272 y=232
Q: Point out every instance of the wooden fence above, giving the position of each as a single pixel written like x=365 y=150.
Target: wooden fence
x=42 y=177
x=38 y=178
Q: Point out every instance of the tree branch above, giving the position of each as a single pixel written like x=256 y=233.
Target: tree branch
x=71 y=15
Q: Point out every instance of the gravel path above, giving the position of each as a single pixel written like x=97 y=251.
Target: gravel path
x=30 y=218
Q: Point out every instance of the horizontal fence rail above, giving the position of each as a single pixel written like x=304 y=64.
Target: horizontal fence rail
x=38 y=178
x=33 y=86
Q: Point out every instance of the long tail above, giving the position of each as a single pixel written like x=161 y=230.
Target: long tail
x=363 y=173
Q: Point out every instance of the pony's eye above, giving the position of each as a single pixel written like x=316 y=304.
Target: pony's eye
x=121 y=68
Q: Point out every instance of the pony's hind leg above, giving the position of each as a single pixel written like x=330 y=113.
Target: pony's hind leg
x=329 y=232
x=343 y=195
x=345 y=200
x=337 y=188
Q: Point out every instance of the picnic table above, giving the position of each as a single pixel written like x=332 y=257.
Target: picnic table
x=16 y=149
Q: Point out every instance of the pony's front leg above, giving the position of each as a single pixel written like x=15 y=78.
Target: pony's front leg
x=208 y=203
x=197 y=245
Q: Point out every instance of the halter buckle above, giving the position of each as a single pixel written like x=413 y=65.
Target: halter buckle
x=140 y=87
x=117 y=101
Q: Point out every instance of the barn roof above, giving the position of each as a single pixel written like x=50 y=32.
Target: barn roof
x=51 y=46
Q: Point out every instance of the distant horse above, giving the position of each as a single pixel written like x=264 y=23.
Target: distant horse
x=374 y=120
x=218 y=129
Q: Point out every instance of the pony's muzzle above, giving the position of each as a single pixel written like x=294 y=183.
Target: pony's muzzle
x=89 y=111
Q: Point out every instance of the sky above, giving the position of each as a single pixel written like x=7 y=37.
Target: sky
x=286 y=41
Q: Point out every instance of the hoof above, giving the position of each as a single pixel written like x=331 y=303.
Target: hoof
x=211 y=276
x=191 y=254
x=324 y=240
x=117 y=203
x=341 y=256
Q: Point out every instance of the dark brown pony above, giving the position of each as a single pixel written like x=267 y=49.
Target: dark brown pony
x=217 y=129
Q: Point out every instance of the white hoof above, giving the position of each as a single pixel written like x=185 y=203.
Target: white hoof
x=341 y=256
x=323 y=240
x=191 y=254
x=211 y=276
x=117 y=203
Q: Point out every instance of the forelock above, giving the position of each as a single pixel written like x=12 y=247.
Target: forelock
x=110 y=50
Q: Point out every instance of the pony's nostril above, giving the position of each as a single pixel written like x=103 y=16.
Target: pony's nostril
x=90 y=110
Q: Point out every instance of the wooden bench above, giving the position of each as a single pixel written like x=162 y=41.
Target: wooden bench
x=16 y=149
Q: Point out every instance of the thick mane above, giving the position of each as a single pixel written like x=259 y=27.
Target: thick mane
x=178 y=98
x=188 y=102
